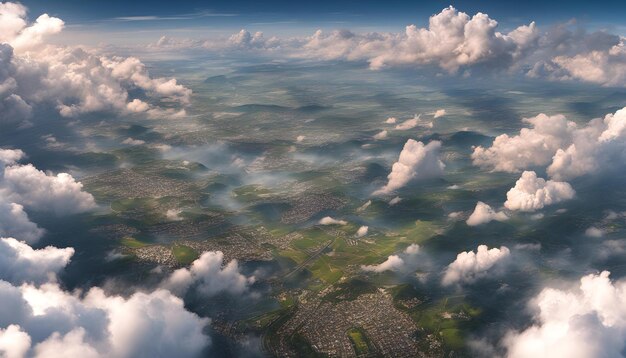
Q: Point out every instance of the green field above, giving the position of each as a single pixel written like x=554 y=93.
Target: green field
x=251 y=193
x=184 y=254
x=449 y=318
x=132 y=243
x=342 y=258
x=359 y=341
x=324 y=270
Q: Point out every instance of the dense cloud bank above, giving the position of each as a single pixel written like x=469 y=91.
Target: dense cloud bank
x=60 y=194
x=24 y=186
x=38 y=318
x=587 y=321
x=36 y=75
x=453 y=41
x=45 y=321
x=568 y=150
x=20 y=263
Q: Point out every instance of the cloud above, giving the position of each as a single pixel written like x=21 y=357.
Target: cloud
x=362 y=231
x=35 y=76
x=15 y=222
x=594 y=232
x=187 y=16
x=364 y=206
x=12 y=21
x=394 y=262
x=588 y=321
x=483 y=214
x=457 y=214
x=416 y=161
x=70 y=345
x=245 y=40
x=10 y=156
x=173 y=214
x=210 y=276
x=531 y=193
x=599 y=145
x=45 y=321
x=49 y=322
x=412 y=249
x=327 y=220
x=533 y=146
x=439 y=113
x=131 y=70
x=20 y=263
x=471 y=266
x=530 y=247
x=18 y=33
x=14 y=343
x=380 y=135
x=25 y=185
x=33 y=188
x=605 y=65
x=452 y=40
x=36 y=33
x=241 y=41
x=395 y=201
x=391 y=120
x=132 y=141
x=567 y=150
x=409 y=123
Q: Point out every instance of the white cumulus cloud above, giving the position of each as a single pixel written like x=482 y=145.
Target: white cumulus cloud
x=594 y=232
x=533 y=146
x=210 y=275
x=409 y=124
x=327 y=220
x=33 y=188
x=587 y=321
x=21 y=263
x=483 y=214
x=470 y=266
x=605 y=65
x=439 y=113
x=10 y=156
x=36 y=75
x=24 y=185
x=531 y=193
x=362 y=231
x=380 y=135
x=14 y=343
x=45 y=321
x=566 y=149
x=393 y=263
x=14 y=222
x=452 y=40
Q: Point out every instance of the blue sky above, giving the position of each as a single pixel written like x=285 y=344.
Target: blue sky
x=361 y=13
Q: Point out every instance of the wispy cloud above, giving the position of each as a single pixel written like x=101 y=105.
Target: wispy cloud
x=189 y=16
